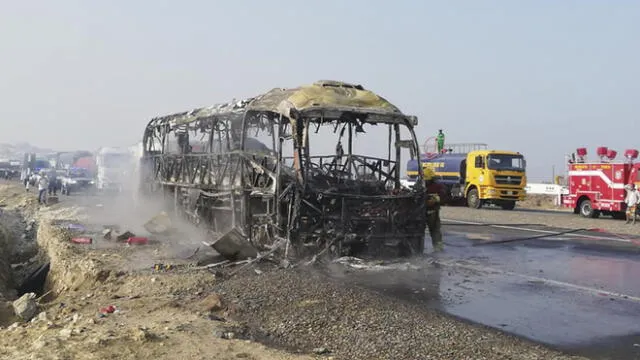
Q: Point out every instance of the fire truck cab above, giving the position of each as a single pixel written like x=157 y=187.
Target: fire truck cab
x=598 y=187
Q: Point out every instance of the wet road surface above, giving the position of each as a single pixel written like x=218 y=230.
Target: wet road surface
x=579 y=296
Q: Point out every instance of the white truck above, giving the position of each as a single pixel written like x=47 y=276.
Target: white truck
x=114 y=168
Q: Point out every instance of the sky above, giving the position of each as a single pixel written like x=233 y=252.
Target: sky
x=541 y=77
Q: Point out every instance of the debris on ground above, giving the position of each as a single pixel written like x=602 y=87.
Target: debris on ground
x=159 y=224
x=125 y=236
x=137 y=240
x=234 y=246
x=75 y=228
x=361 y=264
x=108 y=309
x=163 y=267
x=82 y=240
x=212 y=303
x=26 y=307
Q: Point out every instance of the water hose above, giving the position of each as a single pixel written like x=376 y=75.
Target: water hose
x=530 y=237
x=489 y=224
x=634 y=240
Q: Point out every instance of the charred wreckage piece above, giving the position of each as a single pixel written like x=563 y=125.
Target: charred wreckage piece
x=248 y=167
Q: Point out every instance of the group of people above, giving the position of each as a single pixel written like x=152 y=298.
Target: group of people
x=48 y=184
x=632 y=200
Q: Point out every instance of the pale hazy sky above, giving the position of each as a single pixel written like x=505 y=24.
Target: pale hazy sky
x=541 y=77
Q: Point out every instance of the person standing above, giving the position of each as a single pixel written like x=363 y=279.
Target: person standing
x=631 y=200
x=53 y=182
x=43 y=185
x=436 y=193
x=24 y=177
x=440 y=141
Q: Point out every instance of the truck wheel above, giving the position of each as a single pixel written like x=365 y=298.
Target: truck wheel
x=473 y=199
x=508 y=205
x=587 y=210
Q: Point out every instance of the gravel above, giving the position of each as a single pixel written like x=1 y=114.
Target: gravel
x=304 y=310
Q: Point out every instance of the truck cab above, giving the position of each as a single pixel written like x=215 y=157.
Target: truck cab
x=494 y=176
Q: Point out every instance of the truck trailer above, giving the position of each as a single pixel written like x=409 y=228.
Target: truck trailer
x=476 y=175
x=598 y=187
x=114 y=167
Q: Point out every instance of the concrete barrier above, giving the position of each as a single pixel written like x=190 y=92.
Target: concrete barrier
x=546 y=189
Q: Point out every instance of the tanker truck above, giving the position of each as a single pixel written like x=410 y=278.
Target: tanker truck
x=476 y=175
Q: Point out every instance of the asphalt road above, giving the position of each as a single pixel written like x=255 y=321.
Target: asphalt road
x=573 y=292
x=577 y=292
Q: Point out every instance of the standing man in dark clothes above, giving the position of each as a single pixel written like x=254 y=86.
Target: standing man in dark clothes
x=436 y=193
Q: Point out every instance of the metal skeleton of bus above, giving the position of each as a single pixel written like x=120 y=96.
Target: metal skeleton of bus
x=344 y=203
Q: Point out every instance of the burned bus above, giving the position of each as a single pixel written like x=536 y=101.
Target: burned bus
x=302 y=164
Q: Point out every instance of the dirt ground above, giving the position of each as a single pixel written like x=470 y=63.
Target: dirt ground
x=191 y=313
x=167 y=315
x=540 y=202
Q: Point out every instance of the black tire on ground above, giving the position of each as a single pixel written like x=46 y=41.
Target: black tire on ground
x=473 y=199
x=508 y=205
x=586 y=210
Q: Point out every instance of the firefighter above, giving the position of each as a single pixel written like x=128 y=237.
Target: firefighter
x=440 y=141
x=435 y=195
x=631 y=201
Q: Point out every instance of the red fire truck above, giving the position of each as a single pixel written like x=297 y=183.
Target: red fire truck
x=598 y=187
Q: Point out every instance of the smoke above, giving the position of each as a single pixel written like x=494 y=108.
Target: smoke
x=126 y=207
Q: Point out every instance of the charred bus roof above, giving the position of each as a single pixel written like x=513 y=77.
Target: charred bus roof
x=321 y=101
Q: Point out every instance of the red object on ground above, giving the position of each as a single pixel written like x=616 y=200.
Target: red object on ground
x=137 y=240
x=82 y=240
x=108 y=310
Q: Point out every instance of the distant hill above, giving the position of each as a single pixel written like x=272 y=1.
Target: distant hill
x=17 y=151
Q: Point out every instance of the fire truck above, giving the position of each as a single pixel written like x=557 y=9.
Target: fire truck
x=598 y=187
